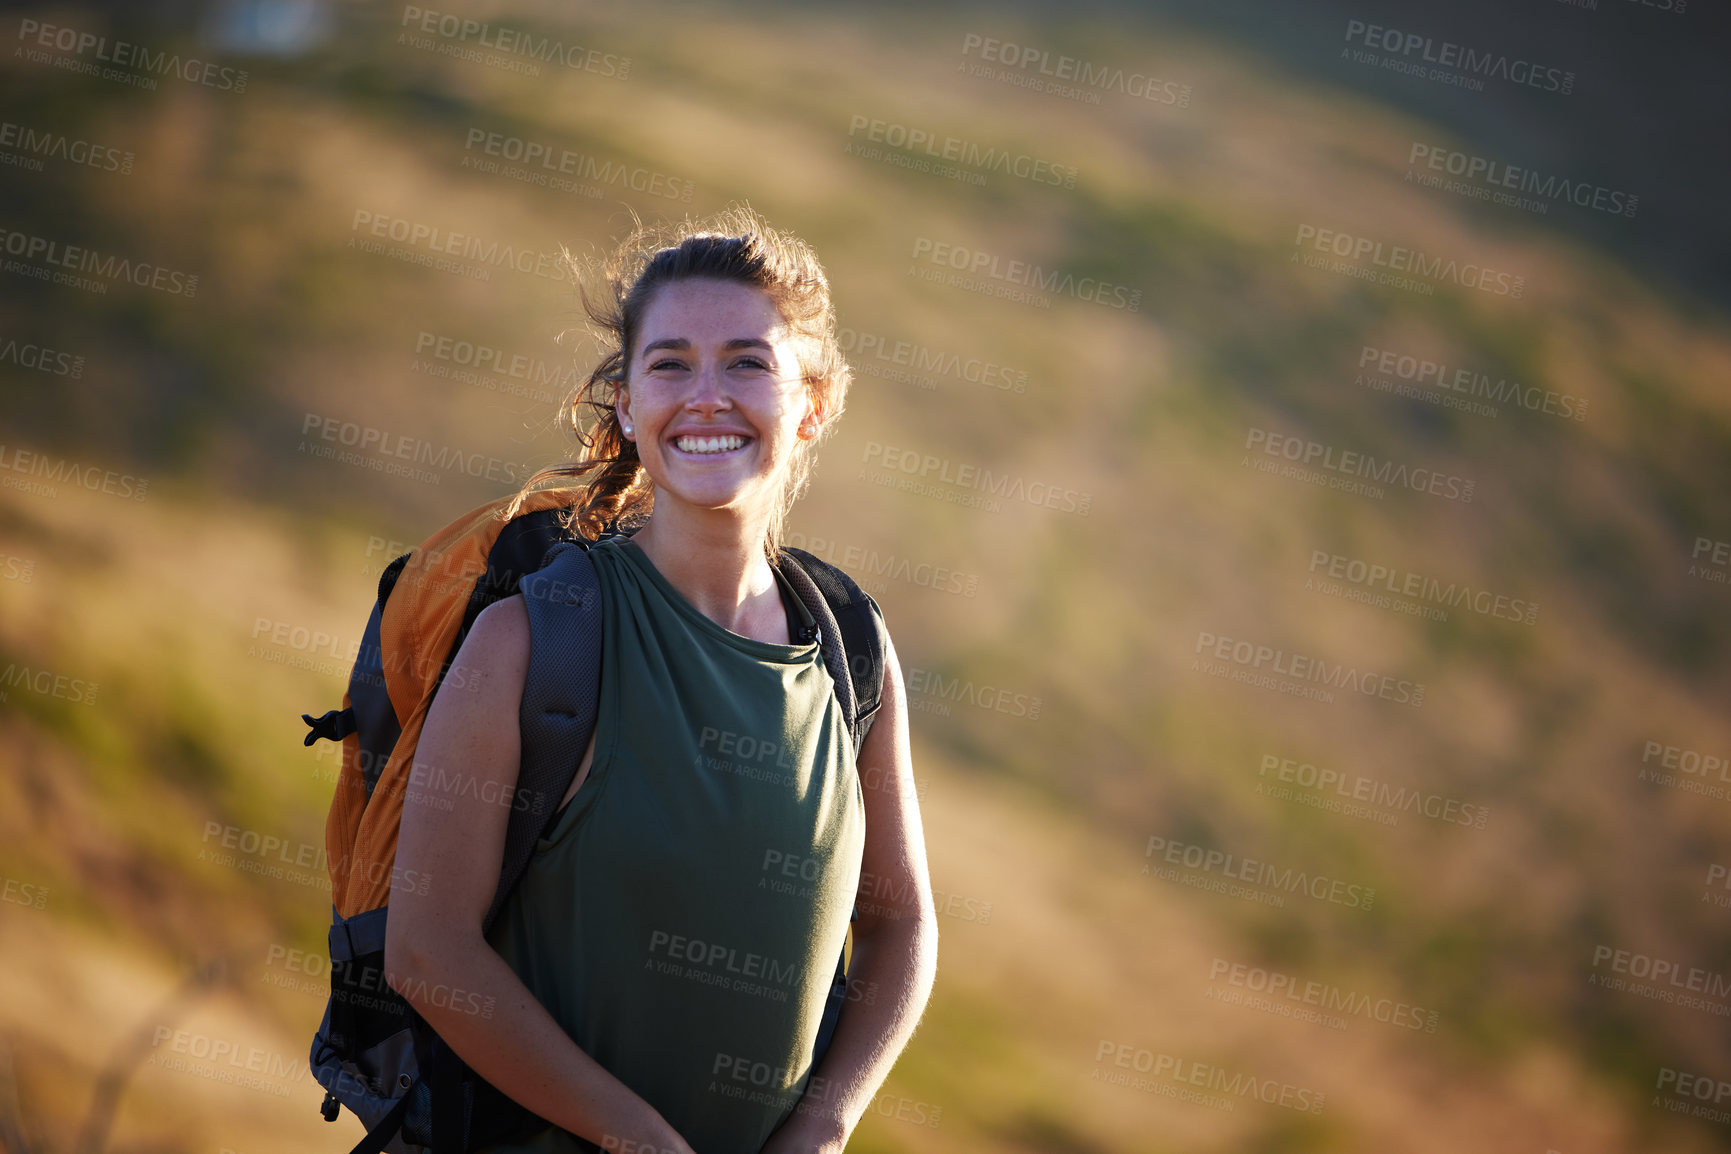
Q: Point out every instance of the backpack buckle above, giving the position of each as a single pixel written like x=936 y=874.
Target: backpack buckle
x=333 y=726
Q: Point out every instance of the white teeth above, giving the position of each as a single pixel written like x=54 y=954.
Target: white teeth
x=710 y=444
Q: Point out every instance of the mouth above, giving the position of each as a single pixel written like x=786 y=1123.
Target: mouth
x=711 y=448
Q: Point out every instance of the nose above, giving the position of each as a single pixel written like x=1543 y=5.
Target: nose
x=708 y=390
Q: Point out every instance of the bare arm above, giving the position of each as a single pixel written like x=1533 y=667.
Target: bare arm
x=435 y=954
x=895 y=956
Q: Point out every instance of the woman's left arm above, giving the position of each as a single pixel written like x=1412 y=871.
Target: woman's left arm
x=895 y=951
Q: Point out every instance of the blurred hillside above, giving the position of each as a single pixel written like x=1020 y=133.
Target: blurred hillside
x=1647 y=98
x=1085 y=727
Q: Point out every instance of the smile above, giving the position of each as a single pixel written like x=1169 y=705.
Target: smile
x=710 y=446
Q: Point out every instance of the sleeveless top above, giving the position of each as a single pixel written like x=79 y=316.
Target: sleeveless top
x=683 y=918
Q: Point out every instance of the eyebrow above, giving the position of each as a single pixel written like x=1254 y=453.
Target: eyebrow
x=681 y=344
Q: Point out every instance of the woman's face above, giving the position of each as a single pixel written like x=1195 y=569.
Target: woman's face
x=715 y=398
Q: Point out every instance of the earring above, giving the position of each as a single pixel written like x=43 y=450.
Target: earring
x=626 y=429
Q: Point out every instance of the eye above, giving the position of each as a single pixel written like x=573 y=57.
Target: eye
x=751 y=362
x=666 y=362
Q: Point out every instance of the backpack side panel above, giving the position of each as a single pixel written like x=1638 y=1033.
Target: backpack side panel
x=366 y=1041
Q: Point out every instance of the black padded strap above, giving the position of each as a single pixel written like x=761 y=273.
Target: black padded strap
x=560 y=699
x=829 y=640
x=861 y=628
x=852 y=635
x=862 y=632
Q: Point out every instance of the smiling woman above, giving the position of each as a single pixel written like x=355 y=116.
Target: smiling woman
x=658 y=978
x=718 y=412
x=735 y=250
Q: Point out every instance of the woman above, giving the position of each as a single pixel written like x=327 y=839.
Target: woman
x=658 y=975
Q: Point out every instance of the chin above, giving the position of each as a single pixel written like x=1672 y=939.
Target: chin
x=731 y=497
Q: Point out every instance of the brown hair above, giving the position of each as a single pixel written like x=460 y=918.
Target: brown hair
x=735 y=245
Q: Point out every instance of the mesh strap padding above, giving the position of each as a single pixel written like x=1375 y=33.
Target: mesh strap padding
x=560 y=700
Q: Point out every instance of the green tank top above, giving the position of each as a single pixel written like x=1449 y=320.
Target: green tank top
x=683 y=918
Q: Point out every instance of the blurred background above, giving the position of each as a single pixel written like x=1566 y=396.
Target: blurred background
x=1289 y=443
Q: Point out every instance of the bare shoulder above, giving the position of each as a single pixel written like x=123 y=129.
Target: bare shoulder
x=491 y=665
x=500 y=636
x=504 y=625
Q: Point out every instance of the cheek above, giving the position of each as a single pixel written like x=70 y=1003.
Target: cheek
x=649 y=404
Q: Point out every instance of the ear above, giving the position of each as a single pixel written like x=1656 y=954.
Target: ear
x=815 y=415
x=622 y=412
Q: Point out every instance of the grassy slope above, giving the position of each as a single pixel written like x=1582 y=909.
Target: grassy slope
x=157 y=600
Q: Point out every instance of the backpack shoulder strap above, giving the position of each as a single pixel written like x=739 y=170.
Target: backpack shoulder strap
x=852 y=631
x=560 y=699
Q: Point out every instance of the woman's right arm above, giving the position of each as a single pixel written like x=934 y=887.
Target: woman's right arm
x=435 y=955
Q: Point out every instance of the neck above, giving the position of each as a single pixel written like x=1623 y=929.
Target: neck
x=714 y=557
